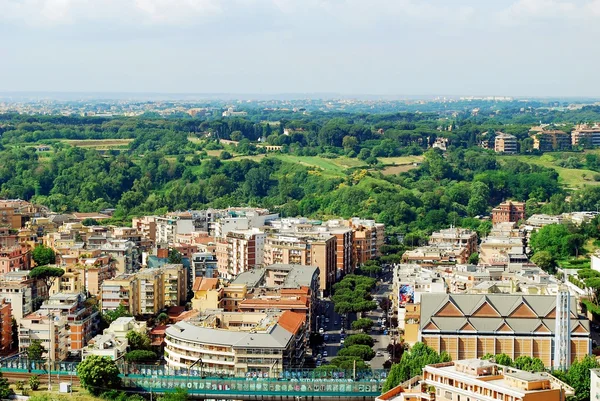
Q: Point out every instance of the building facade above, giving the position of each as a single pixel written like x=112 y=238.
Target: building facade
x=508 y=211
x=470 y=326
x=505 y=143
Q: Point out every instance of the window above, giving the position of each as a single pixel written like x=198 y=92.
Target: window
x=448 y=395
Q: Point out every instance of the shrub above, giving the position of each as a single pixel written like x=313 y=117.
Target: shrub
x=34 y=382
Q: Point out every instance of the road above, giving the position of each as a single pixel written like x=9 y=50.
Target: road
x=333 y=327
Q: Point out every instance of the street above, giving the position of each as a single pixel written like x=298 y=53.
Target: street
x=331 y=323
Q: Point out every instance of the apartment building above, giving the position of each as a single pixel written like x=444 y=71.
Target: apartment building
x=124 y=253
x=203 y=264
x=166 y=229
x=239 y=251
x=456 y=237
x=120 y=290
x=105 y=345
x=306 y=250
x=508 y=211
x=71 y=282
x=368 y=239
x=233 y=343
x=496 y=250
x=587 y=135
x=6 y=337
x=18 y=292
x=551 y=140
x=239 y=219
x=208 y=294
x=14 y=213
x=14 y=258
x=82 y=321
x=95 y=271
x=123 y=325
x=146 y=226
x=437 y=255
x=50 y=329
x=8 y=237
x=287 y=287
x=505 y=143
x=147 y=291
x=470 y=326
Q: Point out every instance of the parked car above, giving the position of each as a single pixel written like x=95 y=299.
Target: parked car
x=342 y=341
x=326 y=337
x=324 y=353
x=321 y=331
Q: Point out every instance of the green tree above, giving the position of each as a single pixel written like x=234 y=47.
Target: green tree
x=140 y=356
x=98 y=373
x=359 y=339
x=412 y=364
x=90 y=222
x=179 y=394
x=364 y=352
x=349 y=142
x=474 y=258
x=47 y=275
x=5 y=390
x=578 y=376
x=174 y=256
x=162 y=318
x=138 y=341
x=34 y=382
x=363 y=324
x=529 y=364
x=36 y=350
x=503 y=359
x=225 y=155
x=544 y=260
x=43 y=255
x=111 y=315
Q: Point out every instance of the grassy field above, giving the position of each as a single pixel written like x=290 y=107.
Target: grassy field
x=99 y=144
x=400 y=164
x=569 y=177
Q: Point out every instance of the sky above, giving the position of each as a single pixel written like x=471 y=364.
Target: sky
x=524 y=48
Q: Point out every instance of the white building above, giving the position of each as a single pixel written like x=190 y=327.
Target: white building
x=105 y=345
x=594 y=384
x=120 y=327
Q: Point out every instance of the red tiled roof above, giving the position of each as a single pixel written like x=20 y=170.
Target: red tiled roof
x=291 y=321
x=205 y=284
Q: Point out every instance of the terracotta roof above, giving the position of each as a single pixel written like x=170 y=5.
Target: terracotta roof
x=175 y=311
x=205 y=284
x=291 y=321
x=158 y=330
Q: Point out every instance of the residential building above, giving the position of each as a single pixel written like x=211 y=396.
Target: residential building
x=166 y=229
x=208 y=295
x=71 y=282
x=437 y=255
x=6 y=336
x=457 y=237
x=368 y=239
x=94 y=271
x=105 y=345
x=505 y=143
x=240 y=219
x=551 y=140
x=508 y=211
x=586 y=135
x=502 y=250
x=203 y=264
x=307 y=250
x=470 y=326
x=120 y=290
x=239 y=251
x=233 y=294
x=147 y=291
x=123 y=325
x=82 y=320
x=234 y=343
x=14 y=258
x=146 y=226
x=540 y=220
x=50 y=329
x=288 y=287
x=124 y=253
x=480 y=380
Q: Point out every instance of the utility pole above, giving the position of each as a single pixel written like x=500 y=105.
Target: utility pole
x=50 y=349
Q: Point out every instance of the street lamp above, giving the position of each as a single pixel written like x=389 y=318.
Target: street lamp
x=199 y=360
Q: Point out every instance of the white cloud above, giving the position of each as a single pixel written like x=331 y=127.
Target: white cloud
x=523 y=11
x=53 y=12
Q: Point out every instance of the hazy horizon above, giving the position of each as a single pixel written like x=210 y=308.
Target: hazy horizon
x=386 y=48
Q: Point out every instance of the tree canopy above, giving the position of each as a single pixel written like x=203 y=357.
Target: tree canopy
x=97 y=374
x=43 y=255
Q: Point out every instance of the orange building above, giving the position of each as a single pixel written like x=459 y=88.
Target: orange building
x=469 y=326
x=508 y=211
x=6 y=340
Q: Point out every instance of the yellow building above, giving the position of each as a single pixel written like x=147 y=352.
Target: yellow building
x=207 y=294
